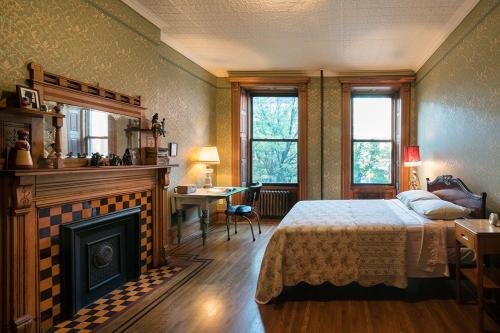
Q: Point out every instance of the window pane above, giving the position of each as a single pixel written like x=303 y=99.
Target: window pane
x=275 y=117
x=99 y=146
x=98 y=123
x=274 y=162
x=372 y=162
x=372 y=118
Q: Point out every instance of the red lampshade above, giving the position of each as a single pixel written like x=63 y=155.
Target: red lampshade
x=412 y=156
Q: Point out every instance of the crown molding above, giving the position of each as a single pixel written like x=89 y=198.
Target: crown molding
x=145 y=12
x=452 y=24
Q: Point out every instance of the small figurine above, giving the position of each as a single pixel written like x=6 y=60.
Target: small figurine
x=70 y=154
x=95 y=160
x=127 y=158
x=115 y=160
x=23 y=156
x=82 y=155
x=157 y=127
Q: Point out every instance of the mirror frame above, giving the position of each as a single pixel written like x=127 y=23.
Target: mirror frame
x=60 y=89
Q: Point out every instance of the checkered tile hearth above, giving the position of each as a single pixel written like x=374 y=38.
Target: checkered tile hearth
x=113 y=304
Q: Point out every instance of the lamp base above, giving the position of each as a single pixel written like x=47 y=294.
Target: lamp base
x=414 y=181
x=208 y=178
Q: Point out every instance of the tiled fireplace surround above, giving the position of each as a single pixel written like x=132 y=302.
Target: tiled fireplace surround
x=49 y=222
x=44 y=200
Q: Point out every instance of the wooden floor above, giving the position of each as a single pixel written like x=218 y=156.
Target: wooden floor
x=221 y=299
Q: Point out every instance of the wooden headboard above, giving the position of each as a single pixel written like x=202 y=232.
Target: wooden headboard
x=454 y=190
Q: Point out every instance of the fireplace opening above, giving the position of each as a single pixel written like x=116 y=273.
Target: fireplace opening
x=98 y=255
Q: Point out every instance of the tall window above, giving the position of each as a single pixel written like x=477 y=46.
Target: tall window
x=274 y=139
x=97 y=134
x=372 y=139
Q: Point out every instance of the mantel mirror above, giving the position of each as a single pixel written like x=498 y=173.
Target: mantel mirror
x=87 y=131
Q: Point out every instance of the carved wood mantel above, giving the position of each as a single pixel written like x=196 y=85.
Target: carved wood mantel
x=25 y=192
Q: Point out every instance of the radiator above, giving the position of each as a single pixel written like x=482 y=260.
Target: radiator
x=274 y=203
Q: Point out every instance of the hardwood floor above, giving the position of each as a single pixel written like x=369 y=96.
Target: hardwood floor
x=221 y=299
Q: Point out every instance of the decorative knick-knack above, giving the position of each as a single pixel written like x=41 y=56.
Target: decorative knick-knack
x=95 y=160
x=127 y=158
x=23 y=154
x=115 y=160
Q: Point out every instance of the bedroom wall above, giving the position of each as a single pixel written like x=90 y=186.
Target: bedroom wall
x=332 y=143
x=458 y=105
x=107 y=42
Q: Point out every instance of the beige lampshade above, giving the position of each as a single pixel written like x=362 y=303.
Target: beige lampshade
x=209 y=155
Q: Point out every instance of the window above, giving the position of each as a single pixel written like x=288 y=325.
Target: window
x=97 y=134
x=372 y=139
x=274 y=139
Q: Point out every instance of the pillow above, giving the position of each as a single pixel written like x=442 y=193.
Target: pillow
x=408 y=197
x=439 y=209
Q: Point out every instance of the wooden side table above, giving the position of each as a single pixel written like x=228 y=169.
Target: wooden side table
x=484 y=239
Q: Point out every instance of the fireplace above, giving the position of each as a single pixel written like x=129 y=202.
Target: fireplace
x=98 y=255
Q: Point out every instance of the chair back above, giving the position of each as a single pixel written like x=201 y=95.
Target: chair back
x=253 y=194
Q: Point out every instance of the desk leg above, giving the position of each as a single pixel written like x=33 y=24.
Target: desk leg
x=480 y=300
x=229 y=219
x=204 y=224
x=458 y=276
x=180 y=214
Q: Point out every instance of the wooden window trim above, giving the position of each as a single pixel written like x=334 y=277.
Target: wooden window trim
x=270 y=84
x=251 y=139
x=383 y=84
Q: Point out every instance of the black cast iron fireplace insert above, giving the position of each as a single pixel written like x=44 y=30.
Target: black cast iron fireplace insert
x=98 y=255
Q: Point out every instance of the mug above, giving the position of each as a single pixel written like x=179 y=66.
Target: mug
x=494 y=220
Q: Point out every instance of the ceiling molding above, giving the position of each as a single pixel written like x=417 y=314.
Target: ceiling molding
x=452 y=24
x=145 y=12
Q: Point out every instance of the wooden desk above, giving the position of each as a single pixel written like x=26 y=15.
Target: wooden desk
x=484 y=239
x=201 y=198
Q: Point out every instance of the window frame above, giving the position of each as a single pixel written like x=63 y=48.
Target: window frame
x=393 y=98
x=251 y=139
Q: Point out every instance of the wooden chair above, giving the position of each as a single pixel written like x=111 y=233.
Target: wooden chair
x=247 y=210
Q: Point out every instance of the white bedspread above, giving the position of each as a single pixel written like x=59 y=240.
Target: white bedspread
x=343 y=241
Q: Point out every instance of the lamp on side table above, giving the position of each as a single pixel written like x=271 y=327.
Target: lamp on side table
x=412 y=160
x=208 y=156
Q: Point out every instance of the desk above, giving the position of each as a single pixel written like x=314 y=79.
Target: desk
x=201 y=198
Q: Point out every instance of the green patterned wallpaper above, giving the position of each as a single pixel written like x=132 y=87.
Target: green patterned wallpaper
x=105 y=41
x=458 y=104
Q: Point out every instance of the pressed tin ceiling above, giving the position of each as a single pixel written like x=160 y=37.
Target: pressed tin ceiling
x=338 y=36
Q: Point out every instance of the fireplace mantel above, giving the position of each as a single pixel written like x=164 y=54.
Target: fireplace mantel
x=25 y=193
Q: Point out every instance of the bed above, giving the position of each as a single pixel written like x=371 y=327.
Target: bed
x=365 y=241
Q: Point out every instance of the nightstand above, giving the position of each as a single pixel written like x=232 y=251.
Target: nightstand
x=484 y=239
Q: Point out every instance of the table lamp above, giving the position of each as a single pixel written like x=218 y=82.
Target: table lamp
x=208 y=156
x=412 y=159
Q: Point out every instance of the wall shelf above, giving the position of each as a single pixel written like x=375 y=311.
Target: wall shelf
x=30 y=112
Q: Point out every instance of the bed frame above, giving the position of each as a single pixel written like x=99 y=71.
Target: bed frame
x=454 y=190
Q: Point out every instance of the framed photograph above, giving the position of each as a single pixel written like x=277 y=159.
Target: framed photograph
x=172 y=148
x=28 y=98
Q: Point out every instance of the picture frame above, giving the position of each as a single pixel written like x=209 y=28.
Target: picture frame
x=28 y=97
x=172 y=148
